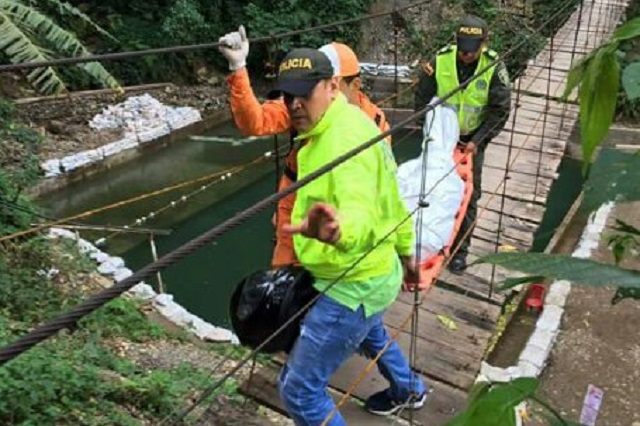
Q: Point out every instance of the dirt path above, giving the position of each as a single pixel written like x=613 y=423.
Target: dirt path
x=598 y=344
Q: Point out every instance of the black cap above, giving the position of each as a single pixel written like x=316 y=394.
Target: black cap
x=471 y=32
x=301 y=70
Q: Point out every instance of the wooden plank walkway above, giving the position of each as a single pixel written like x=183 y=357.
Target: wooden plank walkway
x=534 y=142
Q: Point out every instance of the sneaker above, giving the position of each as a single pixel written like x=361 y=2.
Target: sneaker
x=457 y=265
x=382 y=404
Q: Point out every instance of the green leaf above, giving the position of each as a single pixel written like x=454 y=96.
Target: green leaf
x=625 y=293
x=447 y=322
x=628 y=30
x=631 y=80
x=478 y=390
x=495 y=407
x=68 y=9
x=21 y=24
x=512 y=282
x=598 y=98
x=576 y=75
x=580 y=271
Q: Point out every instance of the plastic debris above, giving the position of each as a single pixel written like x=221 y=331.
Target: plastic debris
x=447 y=322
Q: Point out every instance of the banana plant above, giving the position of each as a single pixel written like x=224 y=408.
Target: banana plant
x=28 y=35
x=597 y=78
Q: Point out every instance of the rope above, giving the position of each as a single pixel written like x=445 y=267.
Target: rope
x=227 y=174
x=135 y=199
x=364 y=372
x=194 y=47
x=69 y=318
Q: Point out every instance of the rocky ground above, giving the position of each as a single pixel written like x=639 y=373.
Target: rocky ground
x=598 y=344
x=225 y=409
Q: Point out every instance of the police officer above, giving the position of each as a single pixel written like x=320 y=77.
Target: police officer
x=483 y=106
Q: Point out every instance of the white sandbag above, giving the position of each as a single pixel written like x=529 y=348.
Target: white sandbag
x=127 y=142
x=154 y=133
x=51 y=167
x=72 y=162
x=442 y=183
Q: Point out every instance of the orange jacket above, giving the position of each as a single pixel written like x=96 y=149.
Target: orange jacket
x=272 y=118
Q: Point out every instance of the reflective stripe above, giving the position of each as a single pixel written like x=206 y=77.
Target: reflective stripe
x=470 y=103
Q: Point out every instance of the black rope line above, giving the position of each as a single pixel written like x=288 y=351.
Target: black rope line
x=70 y=318
x=207 y=392
x=193 y=47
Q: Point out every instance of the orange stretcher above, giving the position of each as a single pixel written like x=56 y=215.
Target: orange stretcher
x=464 y=167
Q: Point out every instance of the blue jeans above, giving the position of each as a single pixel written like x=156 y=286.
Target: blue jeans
x=330 y=334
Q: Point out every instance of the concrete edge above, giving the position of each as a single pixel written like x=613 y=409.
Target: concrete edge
x=131 y=146
x=114 y=268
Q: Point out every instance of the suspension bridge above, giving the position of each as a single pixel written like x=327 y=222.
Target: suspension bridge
x=521 y=164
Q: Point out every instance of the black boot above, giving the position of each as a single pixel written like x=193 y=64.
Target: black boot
x=458 y=264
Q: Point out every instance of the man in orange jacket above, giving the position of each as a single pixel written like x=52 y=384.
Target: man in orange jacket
x=272 y=117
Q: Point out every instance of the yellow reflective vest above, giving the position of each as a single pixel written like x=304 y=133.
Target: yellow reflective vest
x=471 y=102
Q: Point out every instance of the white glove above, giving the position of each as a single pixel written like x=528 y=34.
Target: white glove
x=235 y=47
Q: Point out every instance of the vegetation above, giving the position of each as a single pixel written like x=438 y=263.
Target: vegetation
x=509 y=27
x=77 y=378
x=29 y=35
x=598 y=78
x=136 y=24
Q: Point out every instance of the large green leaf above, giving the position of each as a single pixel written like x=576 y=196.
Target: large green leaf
x=622 y=226
x=65 y=8
x=19 y=48
x=615 y=176
x=598 y=98
x=512 y=282
x=631 y=80
x=576 y=75
x=580 y=271
x=494 y=405
x=21 y=24
x=628 y=30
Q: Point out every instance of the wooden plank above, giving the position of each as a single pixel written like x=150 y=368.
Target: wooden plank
x=515 y=188
x=454 y=368
x=476 y=313
x=442 y=404
x=263 y=388
x=473 y=285
x=498 y=155
x=550 y=144
x=505 y=239
x=490 y=220
x=530 y=212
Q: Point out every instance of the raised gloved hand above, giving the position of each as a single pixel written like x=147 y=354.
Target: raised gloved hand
x=235 y=47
